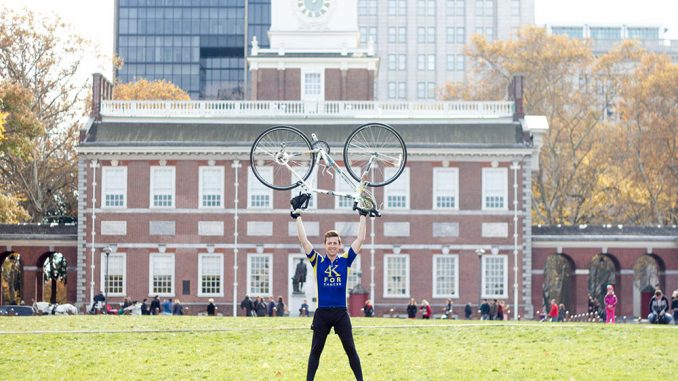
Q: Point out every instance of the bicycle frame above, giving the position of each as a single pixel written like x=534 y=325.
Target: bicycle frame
x=359 y=190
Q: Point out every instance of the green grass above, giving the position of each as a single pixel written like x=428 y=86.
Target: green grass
x=177 y=348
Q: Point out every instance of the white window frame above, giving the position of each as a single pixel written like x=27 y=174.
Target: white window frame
x=107 y=188
x=341 y=186
x=489 y=173
x=269 y=258
x=305 y=96
x=389 y=189
x=150 y=274
x=493 y=257
x=201 y=191
x=438 y=174
x=254 y=185
x=387 y=258
x=201 y=257
x=153 y=191
x=455 y=259
x=103 y=273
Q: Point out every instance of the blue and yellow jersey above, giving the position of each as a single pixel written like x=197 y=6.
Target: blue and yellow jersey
x=331 y=277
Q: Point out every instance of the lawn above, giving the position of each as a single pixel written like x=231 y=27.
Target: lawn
x=227 y=348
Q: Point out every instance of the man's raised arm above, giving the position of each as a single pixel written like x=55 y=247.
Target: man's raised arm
x=301 y=234
x=362 y=231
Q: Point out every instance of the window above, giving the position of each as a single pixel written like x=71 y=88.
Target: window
x=259 y=275
x=367 y=7
x=210 y=274
x=396 y=275
x=515 y=7
x=113 y=279
x=643 y=33
x=495 y=276
x=455 y=62
x=402 y=90
x=456 y=35
x=455 y=7
x=426 y=7
x=312 y=181
x=397 y=7
x=397 y=90
x=402 y=62
x=426 y=90
x=353 y=279
x=397 y=62
x=445 y=188
x=211 y=187
x=572 y=32
x=392 y=62
x=367 y=33
x=397 y=193
x=484 y=7
x=487 y=32
x=341 y=186
x=392 y=34
x=162 y=187
x=162 y=274
x=114 y=187
x=426 y=62
x=445 y=276
x=313 y=86
x=426 y=35
x=606 y=33
x=259 y=195
x=402 y=34
x=495 y=188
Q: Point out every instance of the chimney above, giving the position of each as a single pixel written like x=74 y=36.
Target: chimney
x=515 y=93
x=102 y=90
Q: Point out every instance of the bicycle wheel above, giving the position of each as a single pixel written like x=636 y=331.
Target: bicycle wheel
x=277 y=152
x=379 y=146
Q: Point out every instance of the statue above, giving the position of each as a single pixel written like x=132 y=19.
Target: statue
x=299 y=277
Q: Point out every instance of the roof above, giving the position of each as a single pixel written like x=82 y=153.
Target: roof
x=416 y=135
x=37 y=231
x=603 y=232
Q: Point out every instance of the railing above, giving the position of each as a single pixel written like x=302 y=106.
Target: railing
x=265 y=109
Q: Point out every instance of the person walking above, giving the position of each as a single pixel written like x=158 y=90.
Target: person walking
x=331 y=275
x=425 y=309
x=610 y=305
x=553 y=312
x=247 y=305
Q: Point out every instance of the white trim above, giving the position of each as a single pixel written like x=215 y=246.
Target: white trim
x=454 y=172
x=312 y=98
x=404 y=182
x=269 y=257
x=173 y=180
x=222 y=281
x=102 y=273
x=105 y=185
x=172 y=293
x=201 y=170
x=253 y=184
x=628 y=242
x=388 y=257
x=486 y=258
x=400 y=212
x=491 y=172
x=434 y=266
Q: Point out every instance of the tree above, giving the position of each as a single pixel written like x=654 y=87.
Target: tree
x=584 y=163
x=149 y=90
x=55 y=270
x=43 y=57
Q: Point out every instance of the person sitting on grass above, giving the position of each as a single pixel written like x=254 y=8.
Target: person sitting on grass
x=659 y=309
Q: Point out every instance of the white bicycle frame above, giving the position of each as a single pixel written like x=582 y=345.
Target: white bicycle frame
x=359 y=190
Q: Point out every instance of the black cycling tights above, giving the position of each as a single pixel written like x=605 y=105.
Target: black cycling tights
x=317 y=346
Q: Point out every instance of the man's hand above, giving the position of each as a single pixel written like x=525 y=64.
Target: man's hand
x=299 y=203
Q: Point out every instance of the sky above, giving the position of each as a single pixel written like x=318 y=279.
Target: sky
x=93 y=19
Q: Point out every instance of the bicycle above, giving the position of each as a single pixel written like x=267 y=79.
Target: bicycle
x=374 y=156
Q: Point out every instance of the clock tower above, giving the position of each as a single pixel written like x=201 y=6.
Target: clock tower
x=314 y=55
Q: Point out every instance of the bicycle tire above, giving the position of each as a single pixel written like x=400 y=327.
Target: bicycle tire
x=381 y=141
x=277 y=146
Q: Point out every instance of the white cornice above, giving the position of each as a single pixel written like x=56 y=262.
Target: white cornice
x=16 y=244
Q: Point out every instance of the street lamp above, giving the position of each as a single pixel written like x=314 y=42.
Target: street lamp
x=479 y=253
x=107 y=252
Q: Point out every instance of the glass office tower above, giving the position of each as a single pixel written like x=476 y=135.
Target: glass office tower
x=196 y=44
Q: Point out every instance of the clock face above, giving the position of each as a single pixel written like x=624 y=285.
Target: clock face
x=313 y=8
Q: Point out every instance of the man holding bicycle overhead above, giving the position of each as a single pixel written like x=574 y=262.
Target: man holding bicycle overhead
x=331 y=275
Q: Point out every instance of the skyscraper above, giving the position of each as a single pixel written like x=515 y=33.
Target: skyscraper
x=196 y=44
x=420 y=42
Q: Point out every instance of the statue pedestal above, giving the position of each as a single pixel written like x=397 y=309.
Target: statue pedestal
x=295 y=302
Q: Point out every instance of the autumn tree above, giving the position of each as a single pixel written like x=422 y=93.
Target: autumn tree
x=580 y=178
x=149 y=90
x=42 y=56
